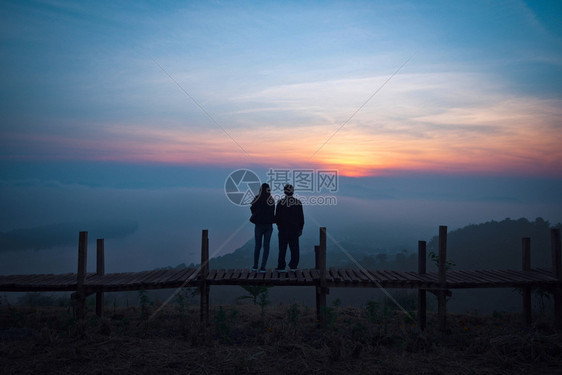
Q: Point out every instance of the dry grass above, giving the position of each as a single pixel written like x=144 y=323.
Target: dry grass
x=240 y=340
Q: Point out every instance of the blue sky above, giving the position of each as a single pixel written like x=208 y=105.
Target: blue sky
x=83 y=81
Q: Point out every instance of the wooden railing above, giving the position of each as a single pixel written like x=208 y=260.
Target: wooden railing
x=322 y=278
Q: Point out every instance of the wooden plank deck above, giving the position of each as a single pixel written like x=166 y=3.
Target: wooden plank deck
x=167 y=279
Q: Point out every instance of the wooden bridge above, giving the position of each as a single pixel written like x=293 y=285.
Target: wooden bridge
x=439 y=283
x=191 y=277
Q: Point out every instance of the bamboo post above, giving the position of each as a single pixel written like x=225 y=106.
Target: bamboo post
x=318 y=288
x=204 y=272
x=317 y=257
x=441 y=300
x=81 y=275
x=422 y=299
x=100 y=271
x=321 y=306
x=557 y=273
x=526 y=265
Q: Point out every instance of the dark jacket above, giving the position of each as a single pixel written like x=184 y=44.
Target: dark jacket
x=289 y=215
x=263 y=210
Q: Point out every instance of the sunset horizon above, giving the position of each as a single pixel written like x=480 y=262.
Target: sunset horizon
x=298 y=85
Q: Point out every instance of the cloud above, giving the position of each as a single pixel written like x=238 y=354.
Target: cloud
x=429 y=121
x=455 y=105
x=467 y=118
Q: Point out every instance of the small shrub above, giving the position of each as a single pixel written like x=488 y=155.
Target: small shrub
x=358 y=332
x=124 y=324
x=435 y=259
x=181 y=302
x=224 y=322
x=541 y=297
x=255 y=292
x=144 y=302
x=16 y=316
x=372 y=308
x=293 y=314
x=498 y=315
x=331 y=316
x=263 y=301
x=105 y=327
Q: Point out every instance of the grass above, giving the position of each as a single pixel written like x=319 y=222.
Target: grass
x=285 y=339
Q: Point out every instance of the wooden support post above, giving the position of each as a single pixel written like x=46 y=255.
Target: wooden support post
x=526 y=266
x=323 y=290
x=81 y=275
x=422 y=299
x=100 y=270
x=204 y=273
x=317 y=257
x=441 y=299
x=318 y=288
x=557 y=273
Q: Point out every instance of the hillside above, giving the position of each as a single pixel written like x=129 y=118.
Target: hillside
x=490 y=245
x=494 y=244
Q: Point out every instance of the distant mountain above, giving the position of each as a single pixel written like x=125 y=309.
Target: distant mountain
x=497 y=245
x=490 y=245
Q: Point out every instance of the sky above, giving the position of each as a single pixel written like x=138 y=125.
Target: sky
x=475 y=87
x=120 y=110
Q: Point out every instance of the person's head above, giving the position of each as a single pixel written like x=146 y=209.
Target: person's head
x=289 y=190
x=265 y=191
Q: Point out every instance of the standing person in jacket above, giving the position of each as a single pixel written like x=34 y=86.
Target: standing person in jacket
x=262 y=208
x=290 y=221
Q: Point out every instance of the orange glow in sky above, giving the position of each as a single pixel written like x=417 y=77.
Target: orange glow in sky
x=352 y=151
x=319 y=86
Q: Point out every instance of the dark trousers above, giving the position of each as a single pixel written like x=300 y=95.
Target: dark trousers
x=262 y=230
x=291 y=239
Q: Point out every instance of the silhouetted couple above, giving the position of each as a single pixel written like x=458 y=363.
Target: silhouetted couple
x=288 y=216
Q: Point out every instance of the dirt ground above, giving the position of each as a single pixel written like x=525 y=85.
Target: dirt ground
x=284 y=339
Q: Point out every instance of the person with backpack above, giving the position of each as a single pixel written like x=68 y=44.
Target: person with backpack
x=262 y=208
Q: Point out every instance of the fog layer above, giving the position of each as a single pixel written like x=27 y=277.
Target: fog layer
x=146 y=227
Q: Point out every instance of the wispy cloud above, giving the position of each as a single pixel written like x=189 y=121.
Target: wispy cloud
x=89 y=87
